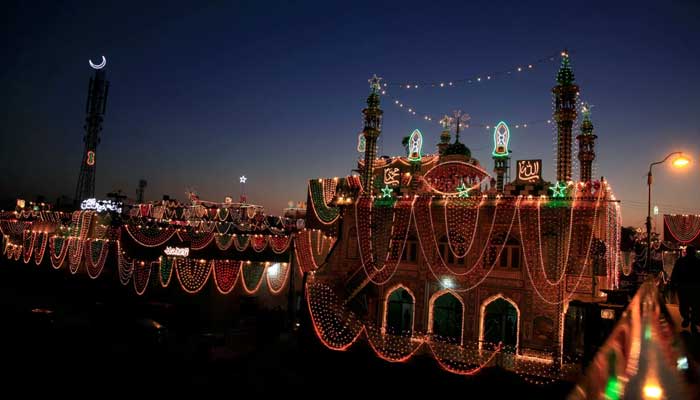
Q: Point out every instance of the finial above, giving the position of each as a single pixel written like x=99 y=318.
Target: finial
x=446 y=121
x=460 y=121
x=100 y=65
x=374 y=83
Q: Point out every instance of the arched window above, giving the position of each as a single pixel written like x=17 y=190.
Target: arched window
x=446 y=317
x=352 y=249
x=410 y=250
x=500 y=322
x=398 y=312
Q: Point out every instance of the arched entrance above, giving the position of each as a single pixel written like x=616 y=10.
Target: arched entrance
x=398 y=312
x=447 y=314
x=500 y=323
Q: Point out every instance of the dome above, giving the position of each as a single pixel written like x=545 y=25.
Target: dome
x=457 y=148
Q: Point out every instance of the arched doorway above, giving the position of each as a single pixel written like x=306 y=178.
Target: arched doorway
x=398 y=312
x=447 y=313
x=500 y=322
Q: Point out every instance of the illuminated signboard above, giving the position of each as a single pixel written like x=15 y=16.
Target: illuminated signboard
x=529 y=170
x=177 y=251
x=101 y=205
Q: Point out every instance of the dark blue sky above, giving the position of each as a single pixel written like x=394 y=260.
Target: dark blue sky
x=203 y=94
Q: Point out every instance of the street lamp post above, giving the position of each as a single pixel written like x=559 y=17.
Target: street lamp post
x=680 y=162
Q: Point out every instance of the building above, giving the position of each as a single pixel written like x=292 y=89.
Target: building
x=433 y=251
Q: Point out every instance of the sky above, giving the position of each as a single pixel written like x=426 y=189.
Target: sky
x=202 y=94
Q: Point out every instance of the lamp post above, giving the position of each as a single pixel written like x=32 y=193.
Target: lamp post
x=680 y=162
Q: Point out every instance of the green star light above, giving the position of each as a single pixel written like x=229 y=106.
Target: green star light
x=387 y=191
x=559 y=190
x=463 y=190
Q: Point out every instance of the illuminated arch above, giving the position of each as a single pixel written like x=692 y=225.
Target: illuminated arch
x=437 y=295
x=482 y=315
x=388 y=294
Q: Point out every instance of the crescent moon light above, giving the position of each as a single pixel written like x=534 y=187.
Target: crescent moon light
x=100 y=65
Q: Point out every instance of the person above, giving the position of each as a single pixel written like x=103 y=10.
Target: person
x=685 y=280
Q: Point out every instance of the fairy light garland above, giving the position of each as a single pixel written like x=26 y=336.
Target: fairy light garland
x=460 y=218
x=149 y=236
x=40 y=249
x=142 y=275
x=277 y=275
x=684 y=228
x=124 y=266
x=226 y=274
x=324 y=214
x=192 y=274
x=252 y=276
x=94 y=268
x=165 y=270
x=57 y=257
x=28 y=245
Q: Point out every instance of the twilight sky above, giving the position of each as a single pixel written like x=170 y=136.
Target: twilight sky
x=200 y=94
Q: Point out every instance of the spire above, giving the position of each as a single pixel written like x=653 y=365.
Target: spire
x=586 y=124
x=372 y=130
x=565 y=76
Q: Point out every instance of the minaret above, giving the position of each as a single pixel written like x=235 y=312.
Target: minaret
x=586 y=145
x=371 y=131
x=565 y=94
x=95 y=109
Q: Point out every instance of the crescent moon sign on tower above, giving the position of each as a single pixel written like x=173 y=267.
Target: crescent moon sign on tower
x=100 y=65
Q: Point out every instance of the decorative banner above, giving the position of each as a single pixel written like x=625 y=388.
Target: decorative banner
x=529 y=171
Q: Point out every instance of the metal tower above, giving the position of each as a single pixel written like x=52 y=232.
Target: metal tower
x=95 y=110
x=140 y=190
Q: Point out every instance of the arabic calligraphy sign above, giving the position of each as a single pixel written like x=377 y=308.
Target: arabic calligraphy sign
x=529 y=171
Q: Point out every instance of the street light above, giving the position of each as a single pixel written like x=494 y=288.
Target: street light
x=680 y=161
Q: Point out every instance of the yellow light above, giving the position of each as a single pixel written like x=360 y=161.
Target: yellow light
x=652 y=391
x=681 y=161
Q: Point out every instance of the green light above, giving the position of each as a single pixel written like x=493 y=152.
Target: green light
x=647 y=332
x=415 y=145
x=501 y=137
x=463 y=190
x=387 y=191
x=559 y=190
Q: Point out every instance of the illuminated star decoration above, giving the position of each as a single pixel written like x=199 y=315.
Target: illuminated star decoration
x=446 y=121
x=374 y=83
x=387 y=191
x=559 y=189
x=243 y=179
x=463 y=190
